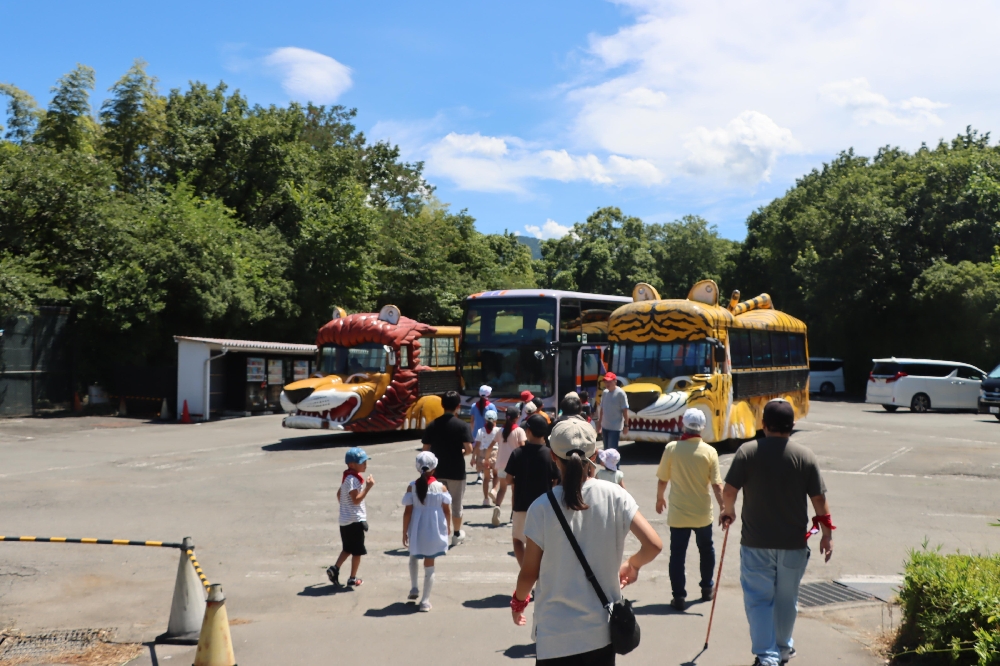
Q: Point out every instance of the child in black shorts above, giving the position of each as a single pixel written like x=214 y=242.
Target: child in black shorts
x=353 y=517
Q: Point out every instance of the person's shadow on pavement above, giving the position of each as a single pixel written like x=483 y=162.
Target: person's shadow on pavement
x=323 y=590
x=392 y=610
x=520 y=651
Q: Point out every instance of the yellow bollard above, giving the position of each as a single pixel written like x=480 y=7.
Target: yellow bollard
x=215 y=645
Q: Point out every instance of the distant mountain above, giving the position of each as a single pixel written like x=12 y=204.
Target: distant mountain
x=534 y=243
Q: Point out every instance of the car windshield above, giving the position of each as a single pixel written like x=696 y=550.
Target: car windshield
x=995 y=374
x=509 y=370
x=664 y=360
x=337 y=360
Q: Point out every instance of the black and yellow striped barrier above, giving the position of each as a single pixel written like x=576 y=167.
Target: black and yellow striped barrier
x=197 y=569
x=104 y=542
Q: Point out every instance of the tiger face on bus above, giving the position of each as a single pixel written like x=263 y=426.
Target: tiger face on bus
x=674 y=354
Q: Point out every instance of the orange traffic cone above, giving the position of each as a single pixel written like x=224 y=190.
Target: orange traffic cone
x=185 y=415
x=77 y=405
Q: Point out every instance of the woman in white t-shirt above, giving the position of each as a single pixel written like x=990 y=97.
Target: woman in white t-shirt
x=511 y=437
x=569 y=620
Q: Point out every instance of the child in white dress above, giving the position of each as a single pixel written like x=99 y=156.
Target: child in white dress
x=425 y=525
x=608 y=471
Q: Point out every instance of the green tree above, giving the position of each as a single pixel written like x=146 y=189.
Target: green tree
x=68 y=125
x=23 y=114
x=23 y=285
x=688 y=250
x=132 y=119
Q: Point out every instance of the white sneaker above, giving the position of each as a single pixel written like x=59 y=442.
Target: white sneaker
x=457 y=539
x=425 y=607
x=479 y=478
x=486 y=501
x=496 y=516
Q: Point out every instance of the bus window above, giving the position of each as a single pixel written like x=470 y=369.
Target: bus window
x=510 y=321
x=444 y=352
x=570 y=324
x=595 y=316
x=739 y=348
x=760 y=345
x=797 y=348
x=779 y=345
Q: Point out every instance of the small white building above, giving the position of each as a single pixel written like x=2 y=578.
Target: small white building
x=236 y=377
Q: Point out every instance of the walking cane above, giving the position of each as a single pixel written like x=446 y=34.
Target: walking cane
x=718 y=580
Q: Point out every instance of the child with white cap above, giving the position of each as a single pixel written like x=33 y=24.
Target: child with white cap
x=609 y=467
x=484 y=453
x=478 y=414
x=426 y=522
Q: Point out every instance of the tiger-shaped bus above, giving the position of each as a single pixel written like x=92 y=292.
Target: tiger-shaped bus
x=672 y=354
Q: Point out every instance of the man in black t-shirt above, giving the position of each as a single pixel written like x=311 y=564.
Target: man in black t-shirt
x=777 y=477
x=532 y=473
x=450 y=439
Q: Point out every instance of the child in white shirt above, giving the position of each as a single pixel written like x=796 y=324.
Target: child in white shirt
x=609 y=467
x=485 y=450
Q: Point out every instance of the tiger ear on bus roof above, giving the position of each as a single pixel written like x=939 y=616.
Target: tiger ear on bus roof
x=645 y=292
x=705 y=291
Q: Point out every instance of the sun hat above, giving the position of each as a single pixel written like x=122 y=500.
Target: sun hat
x=537 y=424
x=572 y=394
x=609 y=458
x=610 y=377
x=694 y=420
x=527 y=396
x=485 y=391
x=355 y=455
x=426 y=461
x=573 y=435
x=490 y=415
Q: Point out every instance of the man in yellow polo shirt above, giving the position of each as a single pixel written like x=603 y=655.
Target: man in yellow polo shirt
x=689 y=466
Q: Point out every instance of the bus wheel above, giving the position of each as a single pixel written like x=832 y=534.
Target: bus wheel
x=890 y=408
x=826 y=390
x=920 y=404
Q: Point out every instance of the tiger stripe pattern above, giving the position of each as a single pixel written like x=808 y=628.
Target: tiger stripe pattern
x=666 y=321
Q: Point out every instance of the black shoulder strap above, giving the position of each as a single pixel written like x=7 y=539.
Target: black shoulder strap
x=576 y=549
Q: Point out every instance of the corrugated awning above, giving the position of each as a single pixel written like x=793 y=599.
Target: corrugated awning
x=251 y=345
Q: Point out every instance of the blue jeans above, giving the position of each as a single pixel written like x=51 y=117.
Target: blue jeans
x=770 y=579
x=611 y=438
x=679 y=539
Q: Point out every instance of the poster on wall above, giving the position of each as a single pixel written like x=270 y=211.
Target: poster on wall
x=255 y=369
x=274 y=373
x=300 y=370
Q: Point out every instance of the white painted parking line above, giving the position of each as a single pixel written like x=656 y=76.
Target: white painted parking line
x=875 y=464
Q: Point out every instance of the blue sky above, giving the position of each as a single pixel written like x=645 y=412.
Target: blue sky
x=532 y=115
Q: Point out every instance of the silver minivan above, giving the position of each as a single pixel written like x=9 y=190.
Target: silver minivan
x=923 y=384
x=826 y=375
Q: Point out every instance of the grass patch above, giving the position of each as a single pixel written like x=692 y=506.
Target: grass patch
x=951 y=610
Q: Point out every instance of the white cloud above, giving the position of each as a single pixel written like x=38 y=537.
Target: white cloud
x=551 y=229
x=869 y=107
x=506 y=164
x=309 y=76
x=744 y=150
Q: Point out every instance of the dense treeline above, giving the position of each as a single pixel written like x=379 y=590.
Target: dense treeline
x=198 y=213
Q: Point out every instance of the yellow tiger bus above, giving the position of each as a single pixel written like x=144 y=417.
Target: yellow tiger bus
x=672 y=354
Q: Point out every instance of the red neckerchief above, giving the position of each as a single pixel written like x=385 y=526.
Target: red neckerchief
x=430 y=480
x=488 y=428
x=483 y=404
x=350 y=472
x=687 y=435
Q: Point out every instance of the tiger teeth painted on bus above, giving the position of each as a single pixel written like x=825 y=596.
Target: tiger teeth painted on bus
x=674 y=354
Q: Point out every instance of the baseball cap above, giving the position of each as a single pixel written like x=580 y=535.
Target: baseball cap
x=694 y=419
x=426 y=461
x=527 y=396
x=573 y=435
x=490 y=415
x=611 y=377
x=485 y=390
x=537 y=424
x=779 y=415
x=530 y=408
x=609 y=458
x=356 y=455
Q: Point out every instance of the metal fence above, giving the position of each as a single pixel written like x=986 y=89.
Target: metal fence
x=35 y=362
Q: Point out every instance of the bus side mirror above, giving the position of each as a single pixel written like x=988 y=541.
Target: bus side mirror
x=606 y=357
x=390 y=355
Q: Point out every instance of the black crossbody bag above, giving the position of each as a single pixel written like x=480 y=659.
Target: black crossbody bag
x=621 y=621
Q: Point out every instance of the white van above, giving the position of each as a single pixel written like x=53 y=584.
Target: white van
x=922 y=384
x=826 y=375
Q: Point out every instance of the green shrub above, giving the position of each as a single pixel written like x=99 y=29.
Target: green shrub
x=951 y=610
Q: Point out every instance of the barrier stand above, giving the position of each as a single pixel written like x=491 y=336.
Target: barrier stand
x=188 y=616
x=215 y=645
x=188 y=606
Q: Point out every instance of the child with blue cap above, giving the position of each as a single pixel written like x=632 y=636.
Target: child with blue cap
x=353 y=517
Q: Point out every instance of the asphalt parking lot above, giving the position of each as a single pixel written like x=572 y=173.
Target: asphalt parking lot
x=260 y=503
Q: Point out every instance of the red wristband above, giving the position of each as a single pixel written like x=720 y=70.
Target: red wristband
x=517 y=605
x=824 y=520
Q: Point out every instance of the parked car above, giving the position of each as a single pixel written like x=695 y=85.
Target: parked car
x=826 y=375
x=923 y=384
x=989 y=394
